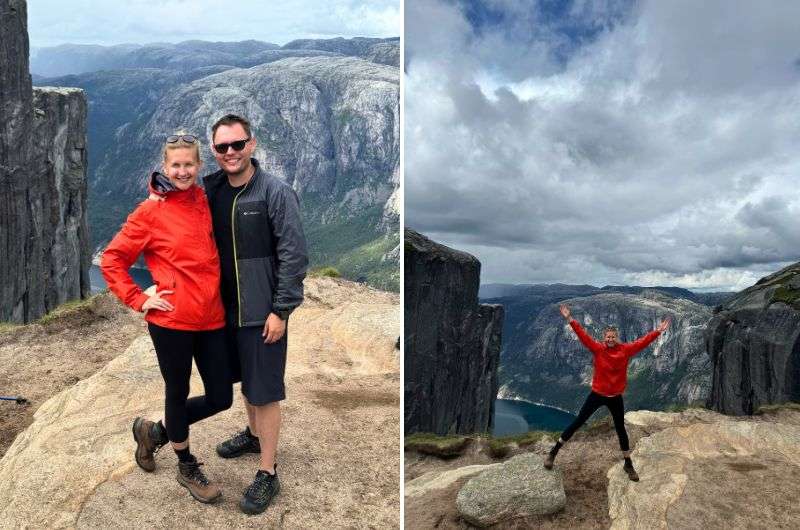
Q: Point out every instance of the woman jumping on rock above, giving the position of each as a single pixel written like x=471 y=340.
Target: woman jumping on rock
x=608 y=383
x=184 y=314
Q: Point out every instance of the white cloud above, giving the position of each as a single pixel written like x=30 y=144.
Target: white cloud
x=142 y=21
x=665 y=150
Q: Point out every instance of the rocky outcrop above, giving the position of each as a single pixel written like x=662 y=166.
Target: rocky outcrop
x=43 y=223
x=710 y=471
x=556 y=369
x=754 y=344
x=73 y=467
x=520 y=487
x=452 y=343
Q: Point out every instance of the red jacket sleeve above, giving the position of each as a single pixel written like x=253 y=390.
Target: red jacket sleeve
x=641 y=343
x=584 y=337
x=123 y=252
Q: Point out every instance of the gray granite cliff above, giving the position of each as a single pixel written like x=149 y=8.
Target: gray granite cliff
x=43 y=232
x=754 y=344
x=452 y=343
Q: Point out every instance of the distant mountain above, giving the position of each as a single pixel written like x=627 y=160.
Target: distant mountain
x=81 y=58
x=524 y=325
x=327 y=124
x=547 y=363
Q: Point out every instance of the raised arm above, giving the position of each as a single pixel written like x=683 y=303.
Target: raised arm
x=643 y=342
x=584 y=337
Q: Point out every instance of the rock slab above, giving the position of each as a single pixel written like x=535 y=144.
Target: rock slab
x=520 y=487
x=715 y=473
x=452 y=343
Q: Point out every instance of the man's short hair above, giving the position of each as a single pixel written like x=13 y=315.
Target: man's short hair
x=610 y=328
x=230 y=119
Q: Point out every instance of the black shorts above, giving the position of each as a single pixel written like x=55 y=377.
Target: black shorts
x=260 y=367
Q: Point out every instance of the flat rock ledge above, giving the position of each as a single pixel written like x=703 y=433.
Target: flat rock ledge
x=716 y=473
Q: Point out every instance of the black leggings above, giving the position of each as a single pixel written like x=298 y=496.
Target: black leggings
x=175 y=350
x=594 y=402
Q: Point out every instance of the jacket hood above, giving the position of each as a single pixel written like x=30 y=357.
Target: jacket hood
x=160 y=184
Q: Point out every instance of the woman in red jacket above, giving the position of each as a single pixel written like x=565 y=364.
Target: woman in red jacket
x=185 y=318
x=608 y=383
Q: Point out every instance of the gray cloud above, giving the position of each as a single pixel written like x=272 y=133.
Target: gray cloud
x=662 y=149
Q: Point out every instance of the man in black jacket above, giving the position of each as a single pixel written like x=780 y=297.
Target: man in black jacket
x=263 y=258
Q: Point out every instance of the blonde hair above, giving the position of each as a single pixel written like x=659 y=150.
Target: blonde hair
x=183 y=144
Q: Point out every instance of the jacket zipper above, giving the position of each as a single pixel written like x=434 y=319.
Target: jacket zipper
x=235 y=257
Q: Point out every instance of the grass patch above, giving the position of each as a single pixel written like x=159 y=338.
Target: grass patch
x=66 y=309
x=777 y=407
x=328 y=272
x=432 y=444
x=680 y=407
x=501 y=446
x=8 y=326
x=787 y=295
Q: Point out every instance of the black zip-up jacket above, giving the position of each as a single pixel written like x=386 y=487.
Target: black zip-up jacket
x=270 y=255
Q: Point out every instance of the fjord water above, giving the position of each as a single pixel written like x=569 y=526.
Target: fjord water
x=140 y=276
x=517 y=417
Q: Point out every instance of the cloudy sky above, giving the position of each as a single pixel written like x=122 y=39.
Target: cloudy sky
x=52 y=22
x=616 y=142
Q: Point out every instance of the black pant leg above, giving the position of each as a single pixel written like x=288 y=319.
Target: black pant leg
x=617 y=408
x=174 y=349
x=592 y=403
x=211 y=357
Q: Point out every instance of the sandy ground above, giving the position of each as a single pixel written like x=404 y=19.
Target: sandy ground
x=38 y=361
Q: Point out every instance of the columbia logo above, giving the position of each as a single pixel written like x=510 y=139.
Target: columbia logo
x=250 y=213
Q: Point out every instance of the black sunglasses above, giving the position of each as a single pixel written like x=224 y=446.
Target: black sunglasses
x=237 y=146
x=188 y=138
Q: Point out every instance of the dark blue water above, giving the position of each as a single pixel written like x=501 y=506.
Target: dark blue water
x=517 y=417
x=140 y=276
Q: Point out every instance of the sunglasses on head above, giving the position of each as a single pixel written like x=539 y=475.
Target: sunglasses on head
x=237 y=146
x=188 y=138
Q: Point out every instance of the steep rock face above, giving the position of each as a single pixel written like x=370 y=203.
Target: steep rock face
x=329 y=126
x=556 y=369
x=452 y=343
x=754 y=345
x=43 y=233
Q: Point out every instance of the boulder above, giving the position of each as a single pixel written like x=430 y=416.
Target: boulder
x=520 y=487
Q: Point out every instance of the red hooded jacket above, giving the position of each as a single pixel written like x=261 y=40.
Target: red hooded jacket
x=611 y=364
x=173 y=230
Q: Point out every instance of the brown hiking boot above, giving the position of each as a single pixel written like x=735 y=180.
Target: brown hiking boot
x=147 y=443
x=632 y=474
x=190 y=477
x=548 y=462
